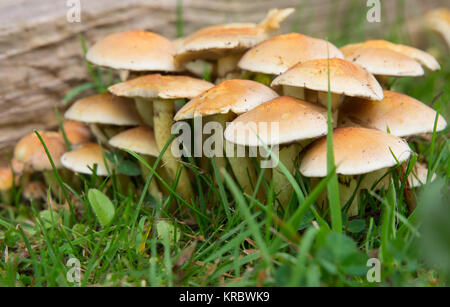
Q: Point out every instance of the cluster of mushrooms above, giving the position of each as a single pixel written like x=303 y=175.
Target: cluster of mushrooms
x=259 y=78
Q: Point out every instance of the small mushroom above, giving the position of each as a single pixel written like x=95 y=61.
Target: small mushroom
x=346 y=79
x=6 y=184
x=226 y=43
x=77 y=133
x=220 y=104
x=419 y=176
x=297 y=123
x=161 y=92
x=142 y=141
x=105 y=114
x=84 y=158
x=438 y=20
x=357 y=151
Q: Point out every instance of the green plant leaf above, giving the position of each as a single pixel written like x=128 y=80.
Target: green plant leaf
x=102 y=206
x=356 y=226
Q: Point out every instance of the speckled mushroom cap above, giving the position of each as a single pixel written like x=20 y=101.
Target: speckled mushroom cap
x=346 y=78
x=439 y=20
x=419 y=175
x=278 y=121
x=374 y=47
x=356 y=150
x=30 y=151
x=140 y=140
x=279 y=53
x=6 y=179
x=401 y=114
x=158 y=86
x=237 y=96
x=383 y=62
x=104 y=109
x=76 y=132
x=134 y=50
x=83 y=159
x=216 y=41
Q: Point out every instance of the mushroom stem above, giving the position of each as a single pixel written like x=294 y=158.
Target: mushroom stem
x=293 y=91
x=153 y=189
x=145 y=110
x=163 y=111
x=282 y=187
x=347 y=186
x=227 y=64
x=384 y=81
x=98 y=133
x=336 y=101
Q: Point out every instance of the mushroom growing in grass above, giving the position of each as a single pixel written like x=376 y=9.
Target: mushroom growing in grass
x=105 y=114
x=225 y=44
x=30 y=151
x=277 y=54
x=346 y=79
x=6 y=184
x=438 y=20
x=419 y=176
x=85 y=159
x=142 y=141
x=385 y=59
x=357 y=151
x=77 y=133
x=161 y=92
x=221 y=104
x=286 y=121
x=134 y=50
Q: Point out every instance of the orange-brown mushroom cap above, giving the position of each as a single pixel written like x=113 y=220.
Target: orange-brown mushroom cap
x=278 y=121
x=134 y=50
x=6 y=179
x=357 y=151
x=76 y=132
x=237 y=96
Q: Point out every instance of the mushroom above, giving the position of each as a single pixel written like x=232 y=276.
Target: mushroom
x=84 y=158
x=34 y=190
x=419 y=176
x=297 y=123
x=220 y=104
x=142 y=141
x=29 y=150
x=276 y=55
x=6 y=184
x=104 y=113
x=438 y=20
x=161 y=91
x=397 y=113
x=346 y=79
x=134 y=50
x=385 y=59
x=357 y=151
x=226 y=43
x=77 y=133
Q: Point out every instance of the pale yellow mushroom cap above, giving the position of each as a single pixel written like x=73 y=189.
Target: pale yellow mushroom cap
x=346 y=78
x=401 y=114
x=140 y=140
x=83 y=159
x=134 y=50
x=29 y=150
x=356 y=151
x=278 y=121
x=158 y=86
x=104 y=109
x=237 y=96
x=277 y=54
x=419 y=175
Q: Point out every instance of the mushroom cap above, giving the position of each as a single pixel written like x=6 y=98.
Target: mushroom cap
x=356 y=151
x=134 y=50
x=424 y=58
x=279 y=53
x=403 y=115
x=439 y=21
x=104 y=109
x=30 y=151
x=346 y=78
x=76 y=132
x=418 y=176
x=83 y=159
x=278 y=121
x=35 y=190
x=140 y=140
x=237 y=96
x=158 y=86
x=383 y=62
x=216 y=41
x=6 y=178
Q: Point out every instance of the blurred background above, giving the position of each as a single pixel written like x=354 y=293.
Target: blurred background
x=41 y=56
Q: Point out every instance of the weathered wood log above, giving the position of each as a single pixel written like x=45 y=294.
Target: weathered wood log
x=41 y=57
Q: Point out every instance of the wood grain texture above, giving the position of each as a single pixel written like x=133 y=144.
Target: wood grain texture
x=41 y=57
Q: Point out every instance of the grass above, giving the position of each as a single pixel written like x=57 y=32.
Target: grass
x=225 y=237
